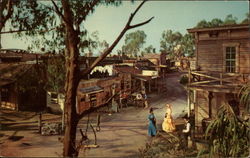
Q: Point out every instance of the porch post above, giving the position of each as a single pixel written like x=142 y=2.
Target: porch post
x=188 y=92
x=210 y=97
x=188 y=102
x=149 y=86
x=142 y=84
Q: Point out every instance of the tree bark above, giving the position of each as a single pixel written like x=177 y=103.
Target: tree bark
x=72 y=79
x=73 y=74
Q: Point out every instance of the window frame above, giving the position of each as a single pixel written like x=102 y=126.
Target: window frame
x=236 y=46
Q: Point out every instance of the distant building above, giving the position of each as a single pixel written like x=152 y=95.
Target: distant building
x=20 y=87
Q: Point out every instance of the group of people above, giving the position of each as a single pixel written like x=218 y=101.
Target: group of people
x=168 y=124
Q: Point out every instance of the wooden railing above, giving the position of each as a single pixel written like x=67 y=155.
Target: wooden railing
x=216 y=78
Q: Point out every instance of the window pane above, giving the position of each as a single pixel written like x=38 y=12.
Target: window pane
x=233 y=63
x=232 y=69
x=233 y=49
x=233 y=55
x=227 y=55
x=230 y=59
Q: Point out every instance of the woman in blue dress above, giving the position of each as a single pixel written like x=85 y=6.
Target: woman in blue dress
x=152 y=123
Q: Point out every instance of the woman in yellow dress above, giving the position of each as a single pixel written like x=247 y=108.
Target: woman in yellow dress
x=168 y=124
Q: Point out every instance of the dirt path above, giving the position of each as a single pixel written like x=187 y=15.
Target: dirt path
x=121 y=135
x=127 y=132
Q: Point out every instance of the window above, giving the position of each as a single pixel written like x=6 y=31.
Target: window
x=4 y=94
x=93 y=99
x=230 y=59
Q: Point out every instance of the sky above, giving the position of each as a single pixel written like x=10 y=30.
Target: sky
x=175 y=15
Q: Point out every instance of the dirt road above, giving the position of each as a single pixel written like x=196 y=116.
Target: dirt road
x=121 y=135
x=126 y=132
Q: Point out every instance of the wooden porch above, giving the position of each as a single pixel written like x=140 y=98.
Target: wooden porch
x=216 y=81
x=212 y=85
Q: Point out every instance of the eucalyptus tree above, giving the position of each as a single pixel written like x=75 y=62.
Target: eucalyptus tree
x=134 y=42
x=59 y=26
x=72 y=15
x=148 y=50
x=230 y=20
x=187 y=45
x=27 y=16
x=170 y=41
x=247 y=19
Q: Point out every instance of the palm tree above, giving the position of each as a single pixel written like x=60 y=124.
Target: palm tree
x=228 y=134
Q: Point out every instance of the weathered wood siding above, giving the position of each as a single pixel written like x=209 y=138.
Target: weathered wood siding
x=201 y=110
x=84 y=102
x=211 y=49
x=219 y=99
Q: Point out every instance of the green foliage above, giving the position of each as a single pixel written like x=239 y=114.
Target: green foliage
x=134 y=42
x=148 y=50
x=244 y=95
x=228 y=135
x=55 y=73
x=32 y=80
x=177 y=45
x=44 y=27
x=169 y=41
x=229 y=20
x=187 y=45
x=247 y=19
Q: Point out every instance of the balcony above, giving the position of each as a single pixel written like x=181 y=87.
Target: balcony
x=216 y=81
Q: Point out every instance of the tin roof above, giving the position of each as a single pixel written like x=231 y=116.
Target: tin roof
x=92 y=89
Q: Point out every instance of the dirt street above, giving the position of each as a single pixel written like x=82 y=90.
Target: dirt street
x=121 y=135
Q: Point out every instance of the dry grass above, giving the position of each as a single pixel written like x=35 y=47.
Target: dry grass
x=165 y=145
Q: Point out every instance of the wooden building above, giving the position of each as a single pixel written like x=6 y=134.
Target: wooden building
x=21 y=87
x=222 y=67
x=96 y=92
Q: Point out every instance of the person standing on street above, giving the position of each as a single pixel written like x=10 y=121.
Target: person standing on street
x=152 y=123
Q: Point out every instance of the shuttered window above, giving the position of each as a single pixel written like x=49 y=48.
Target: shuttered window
x=230 y=59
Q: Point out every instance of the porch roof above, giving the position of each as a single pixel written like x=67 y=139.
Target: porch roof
x=215 y=88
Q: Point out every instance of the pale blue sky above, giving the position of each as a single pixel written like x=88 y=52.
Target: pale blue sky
x=174 y=15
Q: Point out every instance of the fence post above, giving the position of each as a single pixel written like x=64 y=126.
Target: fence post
x=189 y=76
x=40 y=122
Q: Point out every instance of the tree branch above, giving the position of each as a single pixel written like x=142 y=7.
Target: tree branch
x=39 y=31
x=57 y=10
x=8 y=15
x=87 y=10
x=109 y=50
x=140 y=24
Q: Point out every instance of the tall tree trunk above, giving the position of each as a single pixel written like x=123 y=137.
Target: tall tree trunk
x=0 y=37
x=72 y=80
x=73 y=73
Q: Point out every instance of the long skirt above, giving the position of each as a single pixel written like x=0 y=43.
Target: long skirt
x=168 y=125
